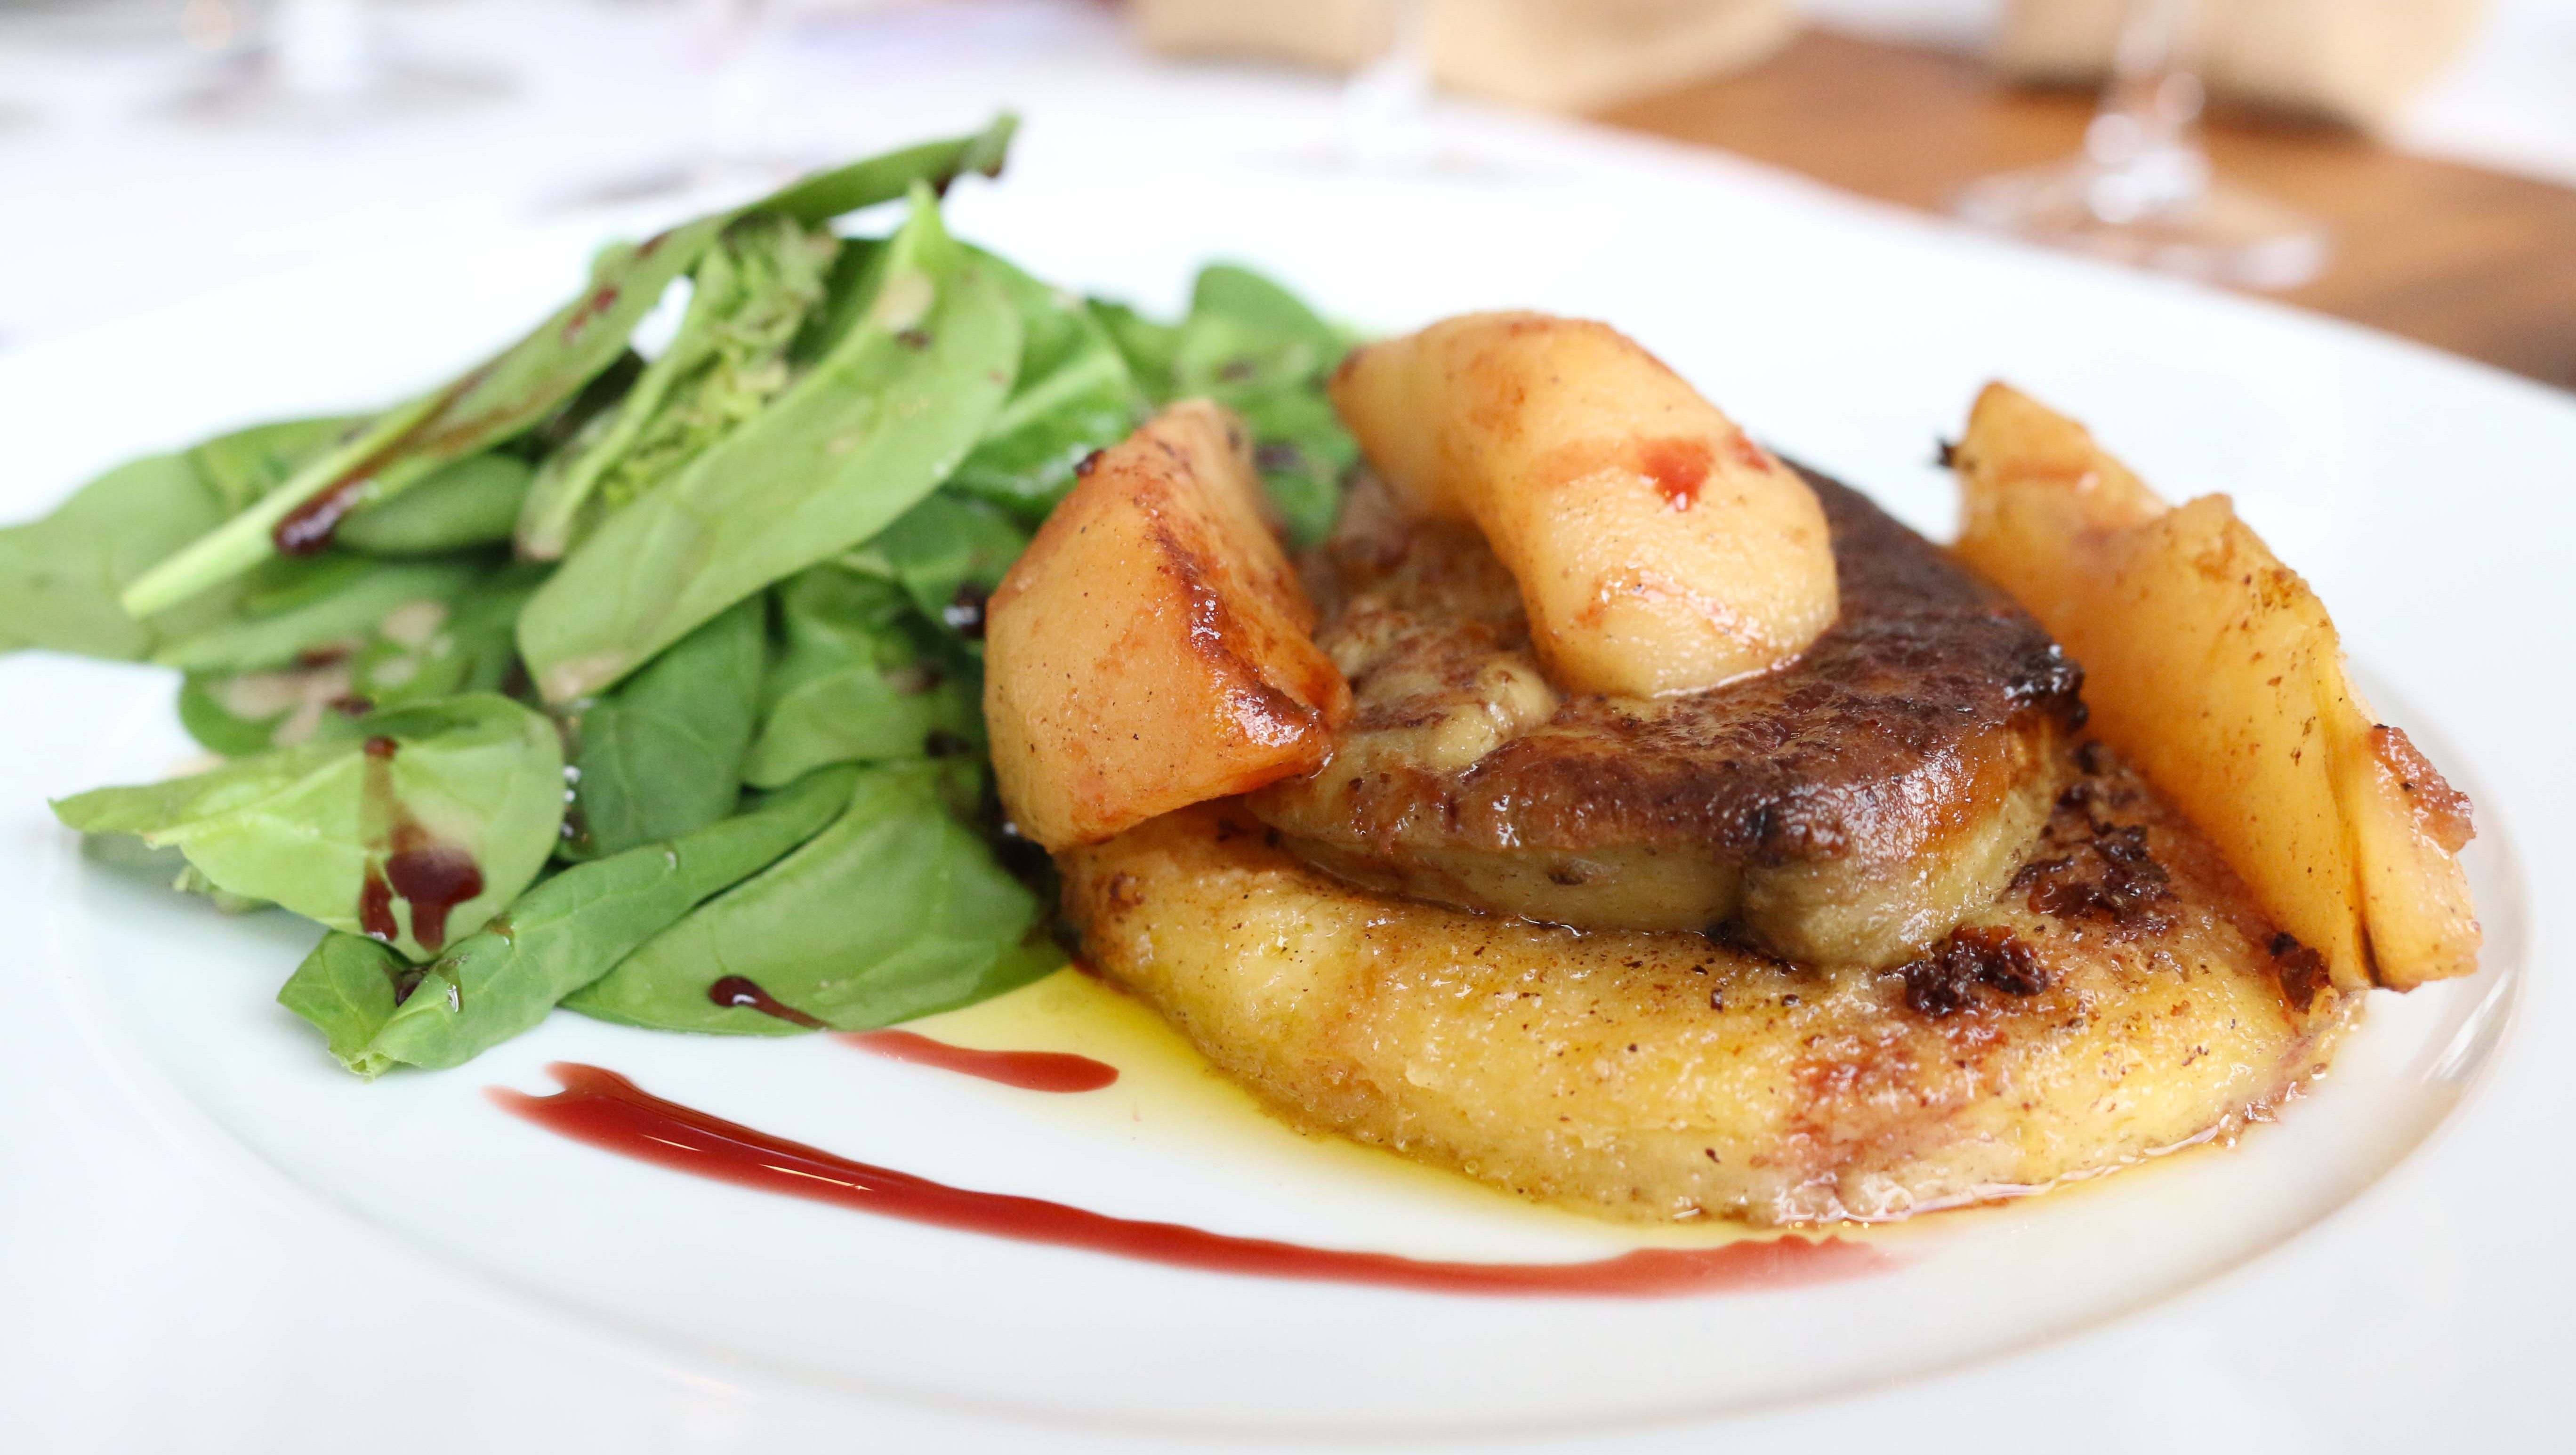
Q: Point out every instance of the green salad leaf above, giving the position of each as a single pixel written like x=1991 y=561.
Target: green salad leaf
x=1150 y=348
x=857 y=680
x=949 y=552
x=60 y=577
x=752 y=294
x=241 y=713
x=661 y=754
x=320 y=605
x=474 y=502
x=875 y=426
x=895 y=911
x=419 y=650
x=747 y=578
x=248 y=463
x=1257 y=348
x=518 y=388
x=932 y=164
x=347 y=989
x=486 y=405
x=374 y=829
x=561 y=935
x=1074 y=394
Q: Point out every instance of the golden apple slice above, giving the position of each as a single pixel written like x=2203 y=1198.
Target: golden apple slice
x=1152 y=648
x=1657 y=549
x=2216 y=669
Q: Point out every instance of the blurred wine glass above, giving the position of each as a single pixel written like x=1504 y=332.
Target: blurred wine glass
x=1382 y=119
x=304 y=62
x=734 y=147
x=2141 y=192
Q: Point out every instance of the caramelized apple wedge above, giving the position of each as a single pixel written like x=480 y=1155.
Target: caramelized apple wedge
x=2216 y=668
x=1657 y=549
x=1152 y=648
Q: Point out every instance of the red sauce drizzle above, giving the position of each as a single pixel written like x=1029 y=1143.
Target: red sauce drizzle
x=432 y=876
x=1678 y=467
x=605 y=1110
x=376 y=906
x=436 y=878
x=743 y=991
x=309 y=527
x=1027 y=1070
x=595 y=306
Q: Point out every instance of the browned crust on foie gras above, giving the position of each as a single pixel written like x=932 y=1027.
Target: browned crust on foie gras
x=1846 y=806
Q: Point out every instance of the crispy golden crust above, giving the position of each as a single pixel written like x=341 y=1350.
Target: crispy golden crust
x=2119 y=997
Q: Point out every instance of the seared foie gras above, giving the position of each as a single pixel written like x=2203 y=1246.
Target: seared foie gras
x=2116 y=998
x=1845 y=809
x=1874 y=930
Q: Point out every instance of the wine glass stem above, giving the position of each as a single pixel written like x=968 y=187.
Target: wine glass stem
x=2145 y=139
x=1383 y=103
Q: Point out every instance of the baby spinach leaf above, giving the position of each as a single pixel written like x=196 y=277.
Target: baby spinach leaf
x=420 y=656
x=855 y=681
x=895 y=911
x=473 y=502
x=242 y=713
x=314 y=605
x=603 y=393
x=446 y=810
x=347 y=989
x=949 y=552
x=60 y=576
x=1303 y=453
x=530 y=380
x=847 y=291
x=662 y=753
x=873 y=428
x=933 y=164
x=751 y=294
x=1253 y=307
x=1255 y=347
x=1149 y=347
x=1073 y=395
x=130 y=855
x=558 y=937
x=502 y=397
x=416 y=652
x=248 y=463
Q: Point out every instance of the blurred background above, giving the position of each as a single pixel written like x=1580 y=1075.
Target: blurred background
x=2408 y=164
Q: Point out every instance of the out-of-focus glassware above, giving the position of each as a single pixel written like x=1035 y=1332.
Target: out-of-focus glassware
x=309 y=62
x=1382 y=121
x=736 y=149
x=2141 y=191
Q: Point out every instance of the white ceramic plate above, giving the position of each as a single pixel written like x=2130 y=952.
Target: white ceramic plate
x=2409 y=487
